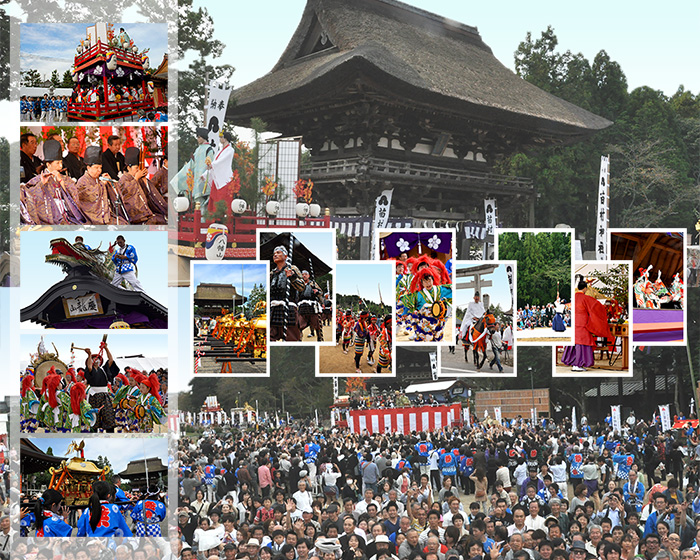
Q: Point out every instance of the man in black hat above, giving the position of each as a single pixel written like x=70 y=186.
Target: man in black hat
x=159 y=181
x=132 y=189
x=72 y=162
x=201 y=160
x=112 y=159
x=195 y=174
x=51 y=194
x=31 y=165
x=91 y=190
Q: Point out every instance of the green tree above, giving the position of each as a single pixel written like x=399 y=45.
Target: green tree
x=55 y=80
x=31 y=78
x=257 y=294
x=67 y=81
x=195 y=39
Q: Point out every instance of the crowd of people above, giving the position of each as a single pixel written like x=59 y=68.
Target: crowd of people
x=43 y=109
x=99 y=187
x=487 y=491
x=95 y=398
x=105 y=548
x=423 y=297
x=361 y=329
x=108 y=509
x=555 y=316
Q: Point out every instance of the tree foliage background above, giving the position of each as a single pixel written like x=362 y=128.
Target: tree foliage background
x=544 y=259
x=195 y=39
x=654 y=144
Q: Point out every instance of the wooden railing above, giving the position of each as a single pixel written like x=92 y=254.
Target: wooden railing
x=328 y=171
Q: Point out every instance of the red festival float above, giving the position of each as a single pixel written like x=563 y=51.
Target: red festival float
x=111 y=77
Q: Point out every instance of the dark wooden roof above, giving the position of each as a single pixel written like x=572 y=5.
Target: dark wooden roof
x=137 y=469
x=48 y=309
x=33 y=459
x=416 y=56
x=663 y=250
x=300 y=257
x=216 y=292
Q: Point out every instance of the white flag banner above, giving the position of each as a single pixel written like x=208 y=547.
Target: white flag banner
x=433 y=365
x=511 y=273
x=217 y=103
x=603 y=216
x=533 y=416
x=218 y=417
x=497 y=414
x=616 y=420
x=381 y=215
x=665 y=413
x=490 y=212
x=467 y=417
x=573 y=418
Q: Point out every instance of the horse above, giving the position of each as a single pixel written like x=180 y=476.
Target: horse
x=477 y=337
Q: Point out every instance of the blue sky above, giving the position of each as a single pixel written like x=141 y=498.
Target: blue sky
x=149 y=344
x=320 y=243
x=225 y=272
x=499 y=292
x=656 y=45
x=37 y=276
x=49 y=46
x=366 y=277
x=119 y=450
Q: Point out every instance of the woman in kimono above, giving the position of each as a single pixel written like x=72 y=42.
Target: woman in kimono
x=591 y=322
x=102 y=518
x=50 y=513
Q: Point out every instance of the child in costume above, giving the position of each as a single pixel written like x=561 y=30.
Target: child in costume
x=432 y=305
x=102 y=518
x=50 y=513
x=384 y=343
x=348 y=324
x=361 y=332
x=148 y=515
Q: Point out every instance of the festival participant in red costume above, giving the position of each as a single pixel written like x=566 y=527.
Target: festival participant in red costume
x=591 y=321
x=222 y=174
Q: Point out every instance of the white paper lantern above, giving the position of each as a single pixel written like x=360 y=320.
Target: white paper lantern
x=239 y=206
x=272 y=208
x=314 y=210
x=215 y=246
x=302 y=210
x=181 y=204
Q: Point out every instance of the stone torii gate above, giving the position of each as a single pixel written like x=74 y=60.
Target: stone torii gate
x=473 y=276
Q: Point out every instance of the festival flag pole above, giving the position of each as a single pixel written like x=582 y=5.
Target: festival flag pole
x=288 y=286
